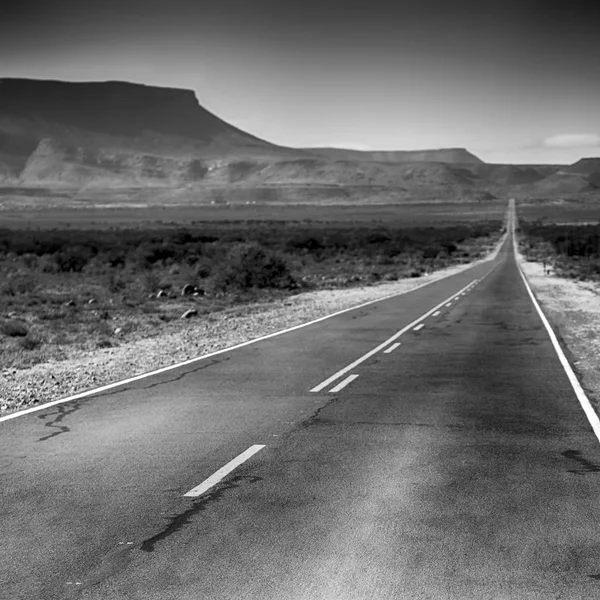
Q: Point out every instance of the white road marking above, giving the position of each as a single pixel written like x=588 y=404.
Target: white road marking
x=391 y=348
x=588 y=409
x=449 y=304
x=437 y=313
x=340 y=386
x=190 y=361
x=223 y=471
x=420 y=326
x=381 y=346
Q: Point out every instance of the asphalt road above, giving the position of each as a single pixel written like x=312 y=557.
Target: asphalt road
x=458 y=465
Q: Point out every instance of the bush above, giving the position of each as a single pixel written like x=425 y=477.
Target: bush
x=116 y=282
x=203 y=269
x=29 y=342
x=574 y=248
x=151 y=281
x=14 y=329
x=53 y=315
x=18 y=285
x=72 y=259
x=250 y=266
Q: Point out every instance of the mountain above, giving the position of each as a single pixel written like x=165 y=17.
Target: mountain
x=586 y=166
x=114 y=133
x=107 y=135
x=127 y=113
x=442 y=155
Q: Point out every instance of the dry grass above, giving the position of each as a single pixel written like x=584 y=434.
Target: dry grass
x=573 y=309
x=146 y=348
x=49 y=314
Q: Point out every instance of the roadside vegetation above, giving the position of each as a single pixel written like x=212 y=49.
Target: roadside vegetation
x=571 y=251
x=66 y=290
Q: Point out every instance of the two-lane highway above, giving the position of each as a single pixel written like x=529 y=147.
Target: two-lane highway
x=455 y=461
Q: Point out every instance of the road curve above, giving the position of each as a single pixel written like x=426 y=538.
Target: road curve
x=453 y=463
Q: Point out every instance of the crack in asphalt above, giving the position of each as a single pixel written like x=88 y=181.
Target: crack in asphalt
x=179 y=377
x=185 y=518
x=312 y=419
x=62 y=411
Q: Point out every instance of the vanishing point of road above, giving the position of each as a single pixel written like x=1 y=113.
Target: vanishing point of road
x=429 y=445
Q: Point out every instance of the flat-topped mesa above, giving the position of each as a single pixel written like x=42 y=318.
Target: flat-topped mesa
x=587 y=166
x=441 y=155
x=113 y=107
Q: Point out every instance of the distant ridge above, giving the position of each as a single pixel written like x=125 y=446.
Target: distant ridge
x=586 y=166
x=442 y=155
x=114 y=134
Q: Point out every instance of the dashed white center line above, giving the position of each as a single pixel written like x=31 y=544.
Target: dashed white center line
x=449 y=304
x=381 y=346
x=391 y=348
x=419 y=326
x=342 y=384
x=223 y=471
x=437 y=313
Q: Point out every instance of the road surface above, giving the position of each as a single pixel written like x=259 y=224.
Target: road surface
x=455 y=462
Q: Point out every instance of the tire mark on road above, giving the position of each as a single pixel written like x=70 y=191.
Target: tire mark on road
x=587 y=465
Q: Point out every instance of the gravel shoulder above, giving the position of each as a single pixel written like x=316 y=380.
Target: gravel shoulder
x=22 y=388
x=573 y=309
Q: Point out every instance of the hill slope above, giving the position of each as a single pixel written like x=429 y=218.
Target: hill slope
x=114 y=134
x=442 y=155
x=119 y=109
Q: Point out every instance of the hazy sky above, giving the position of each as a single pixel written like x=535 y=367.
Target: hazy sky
x=511 y=80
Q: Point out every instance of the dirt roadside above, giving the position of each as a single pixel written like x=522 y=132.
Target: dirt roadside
x=573 y=309
x=22 y=388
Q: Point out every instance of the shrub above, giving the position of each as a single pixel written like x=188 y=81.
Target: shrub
x=14 y=329
x=151 y=281
x=30 y=261
x=52 y=315
x=18 y=285
x=72 y=259
x=251 y=266
x=29 y=342
x=203 y=269
x=101 y=328
x=431 y=251
x=116 y=282
x=47 y=264
x=115 y=257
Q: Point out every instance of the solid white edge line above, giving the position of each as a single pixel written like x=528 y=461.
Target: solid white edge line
x=223 y=471
x=340 y=386
x=586 y=405
x=420 y=326
x=392 y=348
x=115 y=384
x=370 y=353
